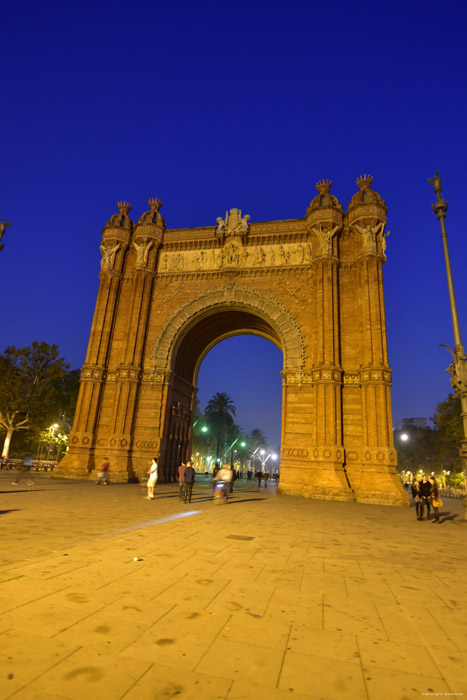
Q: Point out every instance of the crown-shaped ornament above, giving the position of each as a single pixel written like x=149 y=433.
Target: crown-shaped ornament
x=124 y=208
x=364 y=182
x=323 y=186
x=155 y=204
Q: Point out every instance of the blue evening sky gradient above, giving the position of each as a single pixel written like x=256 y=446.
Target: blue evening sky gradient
x=213 y=105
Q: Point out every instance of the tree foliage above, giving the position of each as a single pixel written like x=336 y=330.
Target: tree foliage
x=433 y=449
x=448 y=420
x=36 y=387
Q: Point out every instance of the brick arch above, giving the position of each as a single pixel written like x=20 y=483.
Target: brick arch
x=233 y=297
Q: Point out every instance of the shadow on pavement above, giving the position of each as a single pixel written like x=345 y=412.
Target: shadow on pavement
x=12 y=510
x=246 y=500
x=448 y=516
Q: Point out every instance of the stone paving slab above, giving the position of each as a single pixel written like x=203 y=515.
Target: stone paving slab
x=104 y=594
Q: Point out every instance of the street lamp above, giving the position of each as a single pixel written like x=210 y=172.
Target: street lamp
x=404 y=437
x=457 y=368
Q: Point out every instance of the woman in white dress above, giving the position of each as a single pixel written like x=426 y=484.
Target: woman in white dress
x=152 y=481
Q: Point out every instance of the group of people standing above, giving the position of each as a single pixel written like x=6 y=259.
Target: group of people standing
x=186 y=478
x=425 y=494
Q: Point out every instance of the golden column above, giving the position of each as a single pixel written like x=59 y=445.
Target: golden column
x=457 y=368
x=79 y=460
x=131 y=333
x=373 y=477
x=327 y=476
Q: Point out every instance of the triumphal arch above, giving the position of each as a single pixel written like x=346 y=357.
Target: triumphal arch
x=312 y=285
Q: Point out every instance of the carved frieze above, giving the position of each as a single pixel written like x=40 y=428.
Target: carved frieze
x=234 y=254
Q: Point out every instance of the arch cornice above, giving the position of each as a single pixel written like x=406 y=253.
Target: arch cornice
x=235 y=297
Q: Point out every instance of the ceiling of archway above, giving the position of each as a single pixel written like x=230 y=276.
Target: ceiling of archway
x=212 y=328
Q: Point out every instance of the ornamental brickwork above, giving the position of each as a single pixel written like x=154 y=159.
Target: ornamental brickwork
x=313 y=286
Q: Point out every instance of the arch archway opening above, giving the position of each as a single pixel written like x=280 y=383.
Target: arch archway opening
x=210 y=330
x=189 y=348
x=246 y=369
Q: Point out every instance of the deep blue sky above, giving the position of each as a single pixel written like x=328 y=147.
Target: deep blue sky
x=213 y=105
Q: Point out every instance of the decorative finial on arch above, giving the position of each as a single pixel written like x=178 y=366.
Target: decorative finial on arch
x=323 y=186
x=364 y=182
x=124 y=208
x=155 y=204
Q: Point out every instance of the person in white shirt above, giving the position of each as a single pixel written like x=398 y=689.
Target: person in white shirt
x=152 y=480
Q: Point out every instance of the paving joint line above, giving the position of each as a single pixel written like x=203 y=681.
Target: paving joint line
x=65 y=629
x=49 y=668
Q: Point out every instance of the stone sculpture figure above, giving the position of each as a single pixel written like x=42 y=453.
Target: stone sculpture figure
x=300 y=253
x=108 y=256
x=369 y=236
x=244 y=225
x=383 y=241
x=283 y=255
x=142 y=252
x=163 y=263
x=3 y=226
x=260 y=256
x=325 y=238
x=220 y=224
x=233 y=224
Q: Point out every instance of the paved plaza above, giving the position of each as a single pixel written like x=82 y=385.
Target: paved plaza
x=107 y=595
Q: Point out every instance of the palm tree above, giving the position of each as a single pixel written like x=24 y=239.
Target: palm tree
x=219 y=411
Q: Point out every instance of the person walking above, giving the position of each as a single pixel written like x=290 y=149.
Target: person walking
x=181 y=472
x=436 y=501
x=234 y=478
x=188 y=481
x=415 y=489
x=425 y=493
x=152 y=480
x=249 y=475
x=265 y=478
x=103 y=475
x=259 y=476
x=24 y=468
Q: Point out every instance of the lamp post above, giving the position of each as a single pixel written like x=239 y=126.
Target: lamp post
x=457 y=368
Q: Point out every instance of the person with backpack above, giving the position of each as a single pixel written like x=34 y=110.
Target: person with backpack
x=188 y=481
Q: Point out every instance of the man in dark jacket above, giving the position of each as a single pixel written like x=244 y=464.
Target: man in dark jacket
x=425 y=491
x=188 y=481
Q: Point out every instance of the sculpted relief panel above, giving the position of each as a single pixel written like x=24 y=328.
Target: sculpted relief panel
x=234 y=254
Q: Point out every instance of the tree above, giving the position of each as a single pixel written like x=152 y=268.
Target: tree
x=257 y=439
x=220 y=411
x=31 y=384
x=448 y=419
